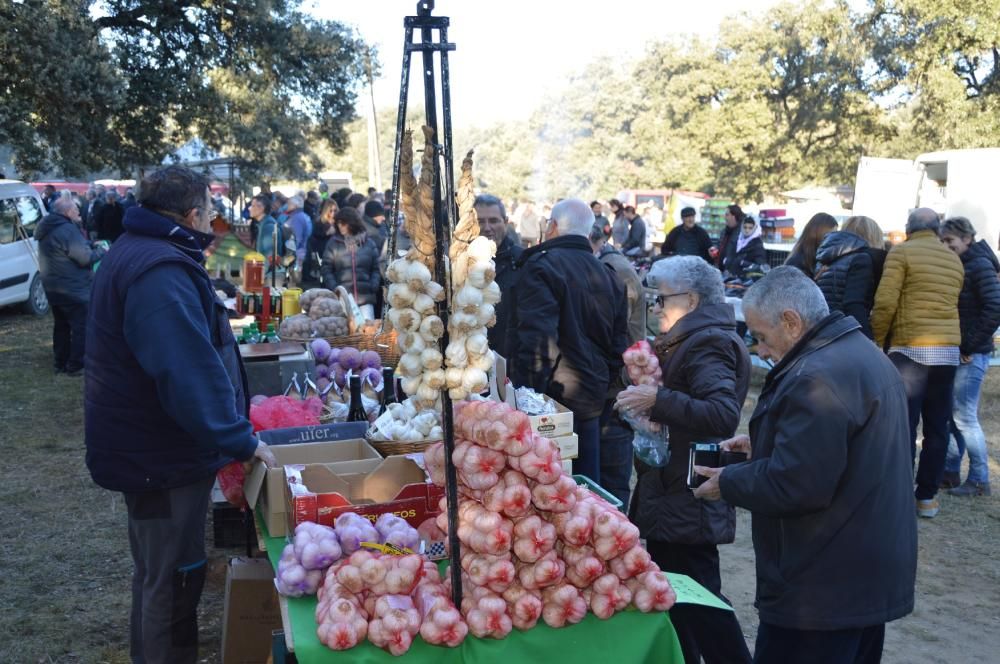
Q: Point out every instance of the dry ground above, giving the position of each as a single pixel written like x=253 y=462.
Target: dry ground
x=64 y=553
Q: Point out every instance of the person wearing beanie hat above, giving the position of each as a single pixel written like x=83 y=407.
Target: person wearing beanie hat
x=378 y=230
x=688 y=239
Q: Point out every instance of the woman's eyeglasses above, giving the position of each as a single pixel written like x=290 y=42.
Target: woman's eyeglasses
x=661 y=299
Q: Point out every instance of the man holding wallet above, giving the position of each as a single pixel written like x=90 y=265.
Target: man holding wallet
x=829 y=481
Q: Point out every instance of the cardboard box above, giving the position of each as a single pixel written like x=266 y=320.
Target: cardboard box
x=251 y=612
x=266 y=486
x=569 y=446
x=322 y=492
x=314 y=434
x=559 y=423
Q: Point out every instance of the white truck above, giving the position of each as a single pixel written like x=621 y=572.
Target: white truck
x=952 y=182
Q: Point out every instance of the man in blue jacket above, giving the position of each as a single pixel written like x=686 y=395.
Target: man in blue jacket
x=830 y=482
x=165 y=403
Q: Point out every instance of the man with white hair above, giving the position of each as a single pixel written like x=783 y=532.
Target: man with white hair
x=568 y=326
x=300 y=225
x=65 y=259
x=829 y=484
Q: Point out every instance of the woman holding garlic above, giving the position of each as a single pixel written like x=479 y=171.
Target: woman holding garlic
x=706 y=375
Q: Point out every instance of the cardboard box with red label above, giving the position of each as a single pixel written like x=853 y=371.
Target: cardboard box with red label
x=265 y=487
x=322 y=492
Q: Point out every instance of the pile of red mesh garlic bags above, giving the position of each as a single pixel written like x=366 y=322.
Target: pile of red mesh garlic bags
x=534 y=546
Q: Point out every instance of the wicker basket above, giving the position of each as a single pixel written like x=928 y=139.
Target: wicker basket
x=383 y=343
x=394 y=447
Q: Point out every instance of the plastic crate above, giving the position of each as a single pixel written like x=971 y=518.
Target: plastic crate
x=228 y=526
x=583 y=480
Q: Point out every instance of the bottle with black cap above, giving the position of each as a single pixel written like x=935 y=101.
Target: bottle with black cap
x=388 y=389
x=356 y=412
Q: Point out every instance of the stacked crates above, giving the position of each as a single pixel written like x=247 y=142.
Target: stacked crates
x=713 y=216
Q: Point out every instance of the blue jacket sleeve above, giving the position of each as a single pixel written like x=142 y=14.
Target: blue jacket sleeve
x=168 y=332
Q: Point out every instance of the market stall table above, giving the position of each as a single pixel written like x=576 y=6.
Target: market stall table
x=629 y=636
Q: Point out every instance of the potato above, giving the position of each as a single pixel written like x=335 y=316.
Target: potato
x=298 y=326
x=329 y=326
x=322 y=307
x=307 y=298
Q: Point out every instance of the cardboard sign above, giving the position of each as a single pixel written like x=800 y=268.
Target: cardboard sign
x=314 y=434
x=690 y=591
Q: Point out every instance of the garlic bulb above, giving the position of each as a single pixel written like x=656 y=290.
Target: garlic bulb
x=416 y=275
x=435 y=379
x=483 y=362
x=491 y=294
x=400 y=296
x=468 y=299
x=456 y=353
x=453 y=376
x=411 y=342
x=409 y=385
x=431 y=328
x=474 y=381
x=477 y=344
x=411 y=365
x=434 y=290
x=427 y=393
x=423 y=304
x=486 y=315
x=431 y=358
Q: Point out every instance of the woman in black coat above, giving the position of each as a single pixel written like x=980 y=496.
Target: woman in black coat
x=747 y=249
x=979 y=317
x=706 y=375
x=803 y=254
x=848 y=269
x=351 y=259
x=323 y=228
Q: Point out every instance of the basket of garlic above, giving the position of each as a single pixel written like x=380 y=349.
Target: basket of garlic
x=404 y=428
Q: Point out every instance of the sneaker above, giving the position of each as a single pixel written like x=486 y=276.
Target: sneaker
x=970 y=488
x=928 y=509
x=950 y=480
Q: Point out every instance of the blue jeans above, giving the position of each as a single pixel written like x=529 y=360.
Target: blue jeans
x=929 y=398
x=588 y=461
x=616 y=454
x=967 y=435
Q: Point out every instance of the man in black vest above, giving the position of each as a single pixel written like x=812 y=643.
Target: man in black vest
x=165 y=403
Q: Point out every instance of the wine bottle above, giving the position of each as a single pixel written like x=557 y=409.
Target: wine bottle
x=356 y=412
x=388 y=389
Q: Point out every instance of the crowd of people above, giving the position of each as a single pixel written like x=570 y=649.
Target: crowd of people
x=867 y=342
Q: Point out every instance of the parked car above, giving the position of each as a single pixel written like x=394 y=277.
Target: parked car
x=20 y=283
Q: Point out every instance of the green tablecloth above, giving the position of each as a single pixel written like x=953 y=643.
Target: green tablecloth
x=629 y=636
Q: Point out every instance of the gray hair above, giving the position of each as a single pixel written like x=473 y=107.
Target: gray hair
x=573 y=217
x=923 y=219
x=63 y=204
x=689 y=274
x=487 y=200
x=786 y=288
x=296 y=202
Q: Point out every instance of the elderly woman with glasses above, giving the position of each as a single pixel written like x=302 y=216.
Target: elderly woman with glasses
x=706 y=375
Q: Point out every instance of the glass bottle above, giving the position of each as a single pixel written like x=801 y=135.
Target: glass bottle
x=388 y=389
x=356 y=411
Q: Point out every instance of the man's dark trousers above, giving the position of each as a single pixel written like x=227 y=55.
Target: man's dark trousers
x=166 y=530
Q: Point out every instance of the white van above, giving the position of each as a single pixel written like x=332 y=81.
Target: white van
x=952 y=182
x=20 y=283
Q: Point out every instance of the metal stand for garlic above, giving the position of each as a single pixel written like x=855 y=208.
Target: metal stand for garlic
x=413 y=293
